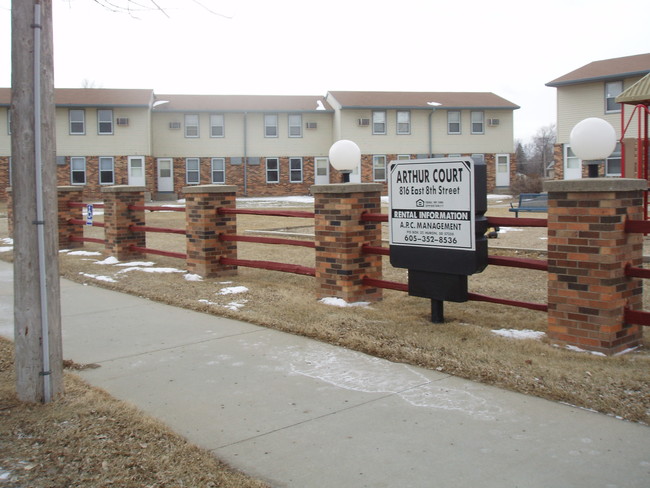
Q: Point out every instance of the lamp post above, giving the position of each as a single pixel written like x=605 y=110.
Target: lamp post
x=593 y=140
x=345 y=156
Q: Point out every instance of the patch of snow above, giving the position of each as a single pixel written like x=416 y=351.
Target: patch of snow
x=84 y=253
x=519 y=334
x=7 y=240
x=498 y=197
x=577 y=349
x=192 y=277
x=503 y=230
x=151 y=270
x=5 y=249
x=207 y=302
x=235 y=306
x=232 y=290
x=137 y=263
x=107 y=279
x=108 y=260
x=339 y=302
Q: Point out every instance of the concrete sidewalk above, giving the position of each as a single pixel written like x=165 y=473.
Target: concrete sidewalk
x=299 y=413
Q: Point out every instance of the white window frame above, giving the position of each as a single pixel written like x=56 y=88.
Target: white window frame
x=404 y=126
x=192 y=126
x=295 y=170
x=271 y=125
x=477 y=121
x=451 y=115
x=72 y=122
x=615 y=156
x=378 y=165
x=190 y=179
x=295 y=125
x=102 y=120
x=271 y=170
x=610 y=96
x=81 y=160
x=218 y=125
x=106 y=160
x=218 y=166
x=379 y=122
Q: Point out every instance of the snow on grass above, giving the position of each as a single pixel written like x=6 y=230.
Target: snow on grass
x=84 y=253
x=232 y=290
x=136 y=263
x=151 y=270
x=192 y=277
x=577 y=349
x=519 y=334
x=503 y=230
x=235 y=306
x=339 y=302
x=6 y=248
x=108 y=260
x=107 y=279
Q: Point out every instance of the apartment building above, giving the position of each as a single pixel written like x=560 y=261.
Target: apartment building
x=266 y=145
x=591 y=91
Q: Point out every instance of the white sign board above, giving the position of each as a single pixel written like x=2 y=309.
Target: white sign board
x=432 y=203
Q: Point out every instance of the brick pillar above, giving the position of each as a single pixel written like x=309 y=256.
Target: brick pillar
x=204 y=225
x=339 y=236
x=10 y=212
x=118 y=218
x=67 y=195
x=588 y=250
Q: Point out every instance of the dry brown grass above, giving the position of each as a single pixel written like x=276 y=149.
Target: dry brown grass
x=398 y=328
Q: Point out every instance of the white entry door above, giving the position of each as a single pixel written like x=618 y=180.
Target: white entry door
x=136 y=171
x=321 y=171
x=503 y=170
x=165 y=175
x=355 y=176
x=572 y=165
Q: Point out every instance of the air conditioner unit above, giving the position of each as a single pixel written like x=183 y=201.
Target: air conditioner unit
x=493 y=122
x=123 y=121
x=311 y=125
x=363 y=122
x=174 y=125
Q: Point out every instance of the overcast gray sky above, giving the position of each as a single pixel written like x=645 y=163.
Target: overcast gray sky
x=307 y=47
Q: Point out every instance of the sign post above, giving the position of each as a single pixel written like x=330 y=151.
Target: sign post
x=437 y=226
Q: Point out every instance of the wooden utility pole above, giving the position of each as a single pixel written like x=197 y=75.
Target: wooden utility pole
x=37 y=307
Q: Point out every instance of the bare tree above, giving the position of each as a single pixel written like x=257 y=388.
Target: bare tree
x=540 y=150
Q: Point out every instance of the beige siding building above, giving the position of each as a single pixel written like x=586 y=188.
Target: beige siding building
x=591 y=91
x=266 y=145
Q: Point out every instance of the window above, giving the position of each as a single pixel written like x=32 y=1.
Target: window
x=106 y=171
x=191 y=125
x=295 y=170
x=613 y=162
x=272 y=170
x=218 y=171
x=104 y=121
x=403 y=157
x=192 y=171
x=453 y=122
x=403 y=122
x=478 y=127
x=78 y=171
x=270 y=125
x=295 y=125
x=379 y=168
x=77 y=122
x=478 y=158
x=217 y=125
x=379 y=122
x=612 y=90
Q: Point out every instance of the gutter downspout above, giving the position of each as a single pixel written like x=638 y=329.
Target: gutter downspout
x=38 y=163
x=431 y=132
x=245 y=153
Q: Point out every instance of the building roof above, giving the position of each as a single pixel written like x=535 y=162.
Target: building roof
x=93 y=97
x=639 y=93
x=240 y=103
x=421 y=100
x=616 y=68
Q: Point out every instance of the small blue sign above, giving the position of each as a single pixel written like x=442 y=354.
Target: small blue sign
x=89 y=214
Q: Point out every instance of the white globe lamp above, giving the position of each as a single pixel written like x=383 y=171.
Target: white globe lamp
x=593 y=140
x=345 y=156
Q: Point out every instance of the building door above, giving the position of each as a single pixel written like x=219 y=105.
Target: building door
x=355 y=176
x=165 y=175
x=321 y=171
x=572 y=165
x=136 y=171
x=503 y=170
